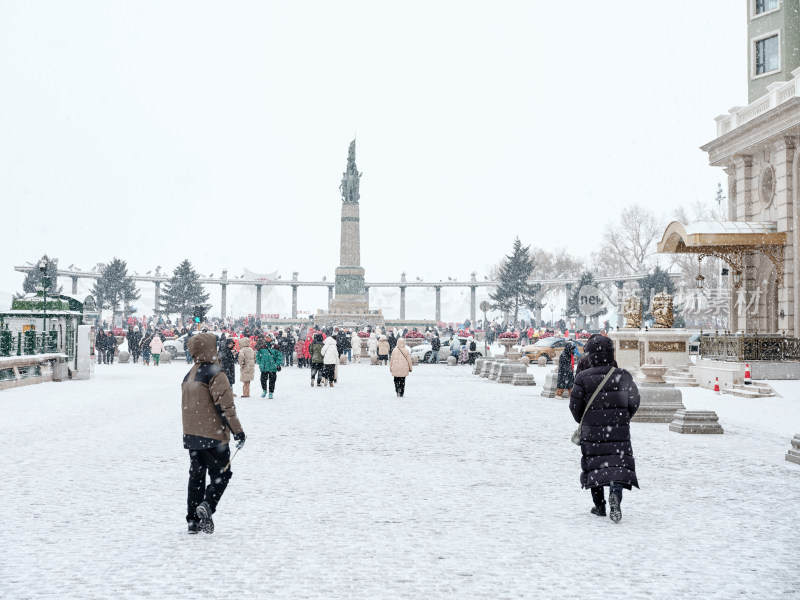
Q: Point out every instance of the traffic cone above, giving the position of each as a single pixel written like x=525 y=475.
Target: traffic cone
x=716 y=385
x=747 y=379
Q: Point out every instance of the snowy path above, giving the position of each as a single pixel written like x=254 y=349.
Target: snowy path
x=463 y=489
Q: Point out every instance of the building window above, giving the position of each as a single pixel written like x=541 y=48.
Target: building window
x=763 y=6
x=767 y=55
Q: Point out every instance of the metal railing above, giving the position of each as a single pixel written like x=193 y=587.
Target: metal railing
x=27 y=343
x=749 y=347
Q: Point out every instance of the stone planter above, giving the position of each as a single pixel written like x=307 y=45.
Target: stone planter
x=508 y=343
x=414 y=342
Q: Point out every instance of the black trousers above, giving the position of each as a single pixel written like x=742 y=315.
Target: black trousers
x=135 y=354
x=316 y=369
x=110 y=357
x=328 y=372
x=211 y=461
x=270 y=376
x=288 y=358
x=400 y=385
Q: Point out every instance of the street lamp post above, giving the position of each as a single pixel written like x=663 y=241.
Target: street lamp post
x=44 y=284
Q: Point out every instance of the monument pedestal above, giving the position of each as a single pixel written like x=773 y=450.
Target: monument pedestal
x=793 y=455
x=626 y=348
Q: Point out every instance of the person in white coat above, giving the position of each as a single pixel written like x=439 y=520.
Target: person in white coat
x=355 y=342
x=330 y=356
x=372 y=345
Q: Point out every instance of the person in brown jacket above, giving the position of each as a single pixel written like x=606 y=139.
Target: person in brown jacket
x=209 y=417
x=247 y=365
x=400 y=366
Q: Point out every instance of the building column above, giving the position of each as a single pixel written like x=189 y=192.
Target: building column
x=330 y=296
x=294 y=301
x=74 y=285
x=223 y=300
x=157 y=309
x=620 y=300
x=472 y=297
x=258 y=302
x=438 y=303
x=568 y=288
x=785 y=164
x=402 y=303
x=366 y=295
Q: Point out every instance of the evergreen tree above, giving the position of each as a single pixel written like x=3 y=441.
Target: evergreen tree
x=183 y=291
x=114 y=287
x=573 y=301
x=514 y=290
x=657 y=281
x=33 y=278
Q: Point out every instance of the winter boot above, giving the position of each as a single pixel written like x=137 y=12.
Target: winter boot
x=312 y=383
x=204 y=513
x=270 y=395
x=613 y=502
x=600 y=511
x=330 y=383
x=193 y=527
x=264 y=393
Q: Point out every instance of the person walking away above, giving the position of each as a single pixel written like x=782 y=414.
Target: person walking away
x=347 y=345
x=227 y=357
x=330 y=356
x=400 y=366
x=100 y=346
x=299 y=350
x=315 y=352
x=383 y=350
x=392 y=341
x=209 y=417
x=247 y=365
x=455 y=346
x=145 y=345
x=156 y=348
x=286 y=346
x=436 y=344
x=355 y=344
x=186 y=354
x=269 y=359
x=372 y=345
x=566 y=375
x=607 y=455
x=473 y=350
x=111 y=347
x=135 y=343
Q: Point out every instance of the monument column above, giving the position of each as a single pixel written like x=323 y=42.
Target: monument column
x=294 y=301
x=258 y=301
x=330 y=296
x=438 y=303
x=402 y=303
x=74 y=285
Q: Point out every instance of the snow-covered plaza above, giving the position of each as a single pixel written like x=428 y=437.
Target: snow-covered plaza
x=465 y=488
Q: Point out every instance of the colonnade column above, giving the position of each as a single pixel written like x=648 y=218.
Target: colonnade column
x=402 y=303
x=157 y=308
x=568 y=288
x=258 y=301
x=294 y=301
x=438 y=303
x=366 y=293
x=224 y=299
x=472 y=292
x=74 y=285
x=620 y=300
x=330 y=296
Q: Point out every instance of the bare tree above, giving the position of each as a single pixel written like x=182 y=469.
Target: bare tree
x=630 y=245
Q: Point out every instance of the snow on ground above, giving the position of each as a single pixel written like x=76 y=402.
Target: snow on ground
x=464 y=489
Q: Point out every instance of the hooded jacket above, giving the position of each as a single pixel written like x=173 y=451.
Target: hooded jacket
x=330 y=355
x=606 y=433
x=400 y=362
x=247 y=360
x=383 y=346
x=209 y=414
x=269 y=358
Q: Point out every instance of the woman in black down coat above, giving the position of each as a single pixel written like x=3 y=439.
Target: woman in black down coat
x=566 y=376
x=606 y=434
x=228 y=356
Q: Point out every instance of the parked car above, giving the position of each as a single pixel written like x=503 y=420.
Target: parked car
x=423 y=351
x=551 y=347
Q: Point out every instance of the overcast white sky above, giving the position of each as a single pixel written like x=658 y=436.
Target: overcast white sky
x=156 y=131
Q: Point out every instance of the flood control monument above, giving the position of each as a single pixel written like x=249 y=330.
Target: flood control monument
x=350 y=306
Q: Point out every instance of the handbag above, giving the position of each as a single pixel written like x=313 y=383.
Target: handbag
x=576 y=437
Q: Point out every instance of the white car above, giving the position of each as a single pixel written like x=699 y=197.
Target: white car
x=424 y=351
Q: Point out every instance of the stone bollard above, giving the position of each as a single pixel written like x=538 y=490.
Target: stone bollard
x=343 y=359
x=542 y=360
x=476 y=370
x=373 y=359
x=414 y=360
x=125 y=357
x=696 y=421
x=507 y=371
x=550 y=382
x=524 y=360
x=793 y=455
x=165 y=357
x=452 y=361
x=523 y=379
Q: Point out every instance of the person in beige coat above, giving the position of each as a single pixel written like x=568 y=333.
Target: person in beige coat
x=400 y=366
x=383 y=350
x=355 y=342
x=247 y=365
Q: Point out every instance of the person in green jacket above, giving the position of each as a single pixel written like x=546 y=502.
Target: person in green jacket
x=315 y=350
x=269 y=359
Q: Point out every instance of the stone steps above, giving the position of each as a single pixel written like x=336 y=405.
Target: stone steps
x=755 y=390
x=681 y=379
